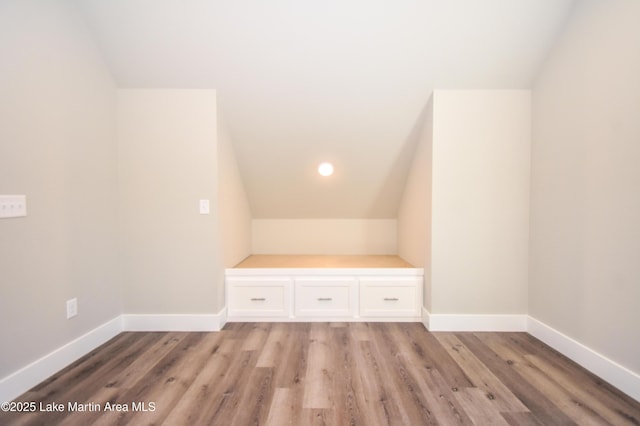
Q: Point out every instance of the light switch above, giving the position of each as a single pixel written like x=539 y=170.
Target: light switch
x=72 y=308
x=13 y=206
x=204 y=207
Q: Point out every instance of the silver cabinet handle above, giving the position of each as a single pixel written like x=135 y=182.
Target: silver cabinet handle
x=325 y=299
x=391 y=299
x=257 y=299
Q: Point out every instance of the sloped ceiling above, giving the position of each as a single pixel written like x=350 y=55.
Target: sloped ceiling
x=303 y=81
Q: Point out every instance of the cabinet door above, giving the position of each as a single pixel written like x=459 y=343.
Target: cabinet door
x=259 y=297
x=326 y=297
x=390 y=296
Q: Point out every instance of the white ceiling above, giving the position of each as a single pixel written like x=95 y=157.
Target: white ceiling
x=302 y=81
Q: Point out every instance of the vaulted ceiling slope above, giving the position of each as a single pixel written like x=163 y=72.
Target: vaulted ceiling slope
x=301 y=81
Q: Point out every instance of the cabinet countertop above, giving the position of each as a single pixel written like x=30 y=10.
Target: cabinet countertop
x=323 y=261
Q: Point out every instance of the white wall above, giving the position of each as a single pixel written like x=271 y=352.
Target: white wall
x=585 y=204
x=57 y=146
x=480 y=201
x=414 y=212
x=324 y=236
x=234 y=214
x=167 y=162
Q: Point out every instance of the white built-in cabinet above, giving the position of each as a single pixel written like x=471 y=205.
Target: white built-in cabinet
x=259 y=297
x=325 y=297
x=320 y=295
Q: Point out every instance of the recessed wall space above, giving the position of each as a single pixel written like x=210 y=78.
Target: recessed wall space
x=324 y=233
x=464 y=202
x=323 y=269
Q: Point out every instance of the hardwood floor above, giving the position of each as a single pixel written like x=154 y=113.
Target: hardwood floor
x=325 y=374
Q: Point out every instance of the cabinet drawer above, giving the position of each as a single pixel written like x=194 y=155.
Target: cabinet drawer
x=390 y=297
x=325 y=297
x=259 y=298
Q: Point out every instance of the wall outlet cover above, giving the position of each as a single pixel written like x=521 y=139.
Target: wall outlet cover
x=72 y=308
x=13 y=206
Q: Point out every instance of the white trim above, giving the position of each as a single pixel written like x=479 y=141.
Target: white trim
x=24 y=379
x=620 y=377
x=175 y=322
x=27 y=377
x=452 y=322
x=426 y=318
x=223 y=318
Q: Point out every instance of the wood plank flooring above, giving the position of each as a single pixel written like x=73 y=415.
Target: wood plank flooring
x=325 y=374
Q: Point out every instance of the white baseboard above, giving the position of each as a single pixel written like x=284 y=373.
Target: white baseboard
x=426 y=318
x=620 y=377
x=223 y=317
x=27 y=377
x=453 y=322
x=175 y=322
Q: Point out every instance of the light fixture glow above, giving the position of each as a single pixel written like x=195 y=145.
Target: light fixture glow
x=325 y=169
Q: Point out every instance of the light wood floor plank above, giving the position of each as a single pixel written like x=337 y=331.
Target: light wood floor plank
x=228 y=392
x=481 y=376
x=438 y=393
x=612 y=405
x=282 y=408
x=413 y=407
x=319 y=375
x=140 y=366
x=522 y=419
x=273 y=347
x=173 y=376
x=536 y=401
x=377 y=387
x=569 y=401
x=202 y=390
x=433 y=355
x=479 y=408
x=256 y=400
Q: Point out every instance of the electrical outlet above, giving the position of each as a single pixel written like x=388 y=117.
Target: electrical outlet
x=13 y=206
x=72 y=308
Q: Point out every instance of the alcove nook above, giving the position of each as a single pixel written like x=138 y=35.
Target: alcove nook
x=452 y=236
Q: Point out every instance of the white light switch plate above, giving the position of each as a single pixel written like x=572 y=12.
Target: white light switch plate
x=72 y=308
x=204 y=207
x=13 y=206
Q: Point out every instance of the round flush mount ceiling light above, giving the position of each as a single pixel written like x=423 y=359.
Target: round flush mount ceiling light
x=325 y=169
